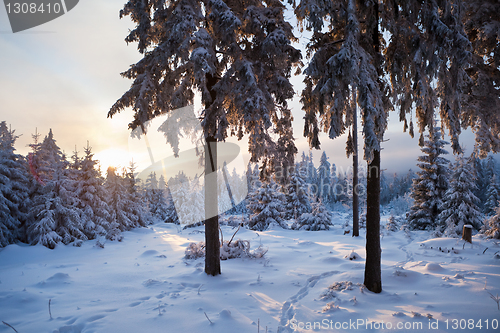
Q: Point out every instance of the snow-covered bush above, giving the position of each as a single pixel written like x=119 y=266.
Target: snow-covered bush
x=195 y=250
x=240 y=249
x=229 y=250
x=353 y=256
x=318 y=219
x=392 y=224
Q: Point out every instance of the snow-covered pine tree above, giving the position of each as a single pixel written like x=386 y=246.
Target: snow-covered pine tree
x=54 y=214
x=391 y=224
x=385 y=192
x=239 y=191
x=155 y=197
x=170 y=212
x=92 y=194
x=490 y=168
x=341 y=189
x=324 y=180
x=238 y=55
x=76 y=161
x=187 y=196
x=347 y=57
x=122 y=204
x=49 y=155
x=482 y=25
x=492 y=196
x=481 y=181
x=426 y=58
x=297 y=199
x=135 y=189
x=312 y=176
x=492 y=225
x=253 y=180
x=459 y=203
x=333 y=182
x=13 y=188
x=266 y=207
x=429 y=188
x=318 y=219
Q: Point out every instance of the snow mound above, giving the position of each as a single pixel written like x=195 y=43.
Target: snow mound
x=353 y=256
x=225 y=314
x=433 y=267
x=152 y=282
x=150 y=253
x=58 y=279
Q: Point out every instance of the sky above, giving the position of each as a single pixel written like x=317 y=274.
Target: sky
x=65 y=75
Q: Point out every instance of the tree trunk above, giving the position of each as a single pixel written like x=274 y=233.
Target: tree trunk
x=467 y=233
x=355 y=180
x=212 y=243
x=373 y=275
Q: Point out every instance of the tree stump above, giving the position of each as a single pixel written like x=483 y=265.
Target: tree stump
x=467 y=233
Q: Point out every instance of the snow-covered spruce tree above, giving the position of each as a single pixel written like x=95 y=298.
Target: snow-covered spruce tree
x=253 y=179
x=333 y=182
x=187 y=196
x=54 y=214
x=122 y=204
x=481 y=181
x=13 y=188
x=324 y=180
x=482 y=98
x=427 y=57
x=266 y=207
x=238 y=55
x=135 y=188
x=297 y=199
x=341 y=189
x=385 y=192
x=170 y=212
x=347 y=57
x=309 y=173
x=239 y=191
x=48 y=155
x=492 y=225
x=492 y=196
x=92 y=194
x=155 y=197
x=459 y=203
x=432 y=182
x=318 y=219
x=391 y=224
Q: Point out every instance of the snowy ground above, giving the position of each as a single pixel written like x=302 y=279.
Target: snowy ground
x=143 y=284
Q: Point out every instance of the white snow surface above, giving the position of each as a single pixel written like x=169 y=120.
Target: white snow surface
x=144 y=284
